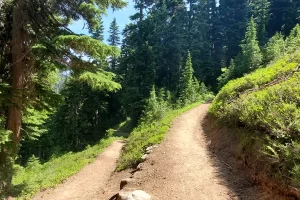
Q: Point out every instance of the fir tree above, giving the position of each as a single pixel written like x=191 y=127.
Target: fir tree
x=274 y=48
x=188 y=86
x=233 y=17
x=39 y=40
x=284 y=15
x=114 y=40
x=252 y=57
x=260 y=10
x=114 y=37
x=98 y=33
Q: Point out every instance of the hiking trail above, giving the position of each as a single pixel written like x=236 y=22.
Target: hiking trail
x=182 y=167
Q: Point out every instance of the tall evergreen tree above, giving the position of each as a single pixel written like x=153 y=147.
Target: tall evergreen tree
x=252 y=57
x=114 y=40
x=174 y=43
x=114 y=37
x=260 y=10
x=200 y=39
x=188 y=84
x=234 y=17
x=284 y=16
x=249 y=59
x=137 y=67
x=98 y=33
x=37 y=39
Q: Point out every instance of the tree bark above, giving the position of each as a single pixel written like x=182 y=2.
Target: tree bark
x=19 y=51
x=19 y=67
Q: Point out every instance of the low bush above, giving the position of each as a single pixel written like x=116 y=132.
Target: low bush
x=268 y=101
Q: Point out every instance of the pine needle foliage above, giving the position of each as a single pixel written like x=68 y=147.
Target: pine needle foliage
x=252 y=57
x=100 y=81
x=189 y=87
x=249 y=59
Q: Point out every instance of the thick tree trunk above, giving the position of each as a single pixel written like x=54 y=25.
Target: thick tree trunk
x=14 y=115
x=19 y=51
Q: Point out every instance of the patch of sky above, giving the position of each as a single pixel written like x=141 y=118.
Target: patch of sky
x=122 y=17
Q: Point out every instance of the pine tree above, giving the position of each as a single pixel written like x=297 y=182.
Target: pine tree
x=98 y=33
x=38 y=39
x=188 y=86
x=275 y=48
x=252 y=57
x=114 y=40
x=200 y=44
x=151 y=111
x=114 y=37
x=233 y=17
x=284 y=15
x=248 y=60
x=138 y=67
x=260 y=10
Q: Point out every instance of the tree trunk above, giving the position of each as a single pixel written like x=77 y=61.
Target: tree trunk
x=19 y=69
x=19 y=51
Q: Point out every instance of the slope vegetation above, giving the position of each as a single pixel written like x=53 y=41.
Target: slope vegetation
x=266 y=105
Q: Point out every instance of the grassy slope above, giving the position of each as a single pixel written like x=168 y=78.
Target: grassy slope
x=146 y=135
x=35 y=177
x=272 y=114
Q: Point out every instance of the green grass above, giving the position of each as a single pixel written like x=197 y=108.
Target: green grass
x=36 y=177
x=146 y=135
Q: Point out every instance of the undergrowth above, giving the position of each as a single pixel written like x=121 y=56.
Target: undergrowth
x=35 y=177
x=267 y=102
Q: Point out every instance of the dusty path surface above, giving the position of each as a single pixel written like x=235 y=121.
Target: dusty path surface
x=89 y=181
x=183 y=167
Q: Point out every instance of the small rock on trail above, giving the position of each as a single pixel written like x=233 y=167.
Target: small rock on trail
x=135 y=195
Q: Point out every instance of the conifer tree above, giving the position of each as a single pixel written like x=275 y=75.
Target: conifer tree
x=98 y=33
x=233 y=17
x=248 y=60
x=114 y=37
x=260 y=10
x=284 y=15
x=188 y=86
x=252 y=57
x=114 y=40
x=151 y=110
x=274 y=48
x=38 y=39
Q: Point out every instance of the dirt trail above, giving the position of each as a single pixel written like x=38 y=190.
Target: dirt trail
x=183 y=167
x=89 y=181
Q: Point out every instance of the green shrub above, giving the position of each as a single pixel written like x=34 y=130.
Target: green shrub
x=273 y=110
x=254 y=80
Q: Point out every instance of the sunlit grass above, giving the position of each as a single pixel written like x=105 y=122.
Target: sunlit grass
x=36 y=177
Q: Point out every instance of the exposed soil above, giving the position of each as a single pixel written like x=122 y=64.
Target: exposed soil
x=189 y=164
x=186 y=166
x=90 y=180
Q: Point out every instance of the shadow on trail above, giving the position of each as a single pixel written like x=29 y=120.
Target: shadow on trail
x=230 y=168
